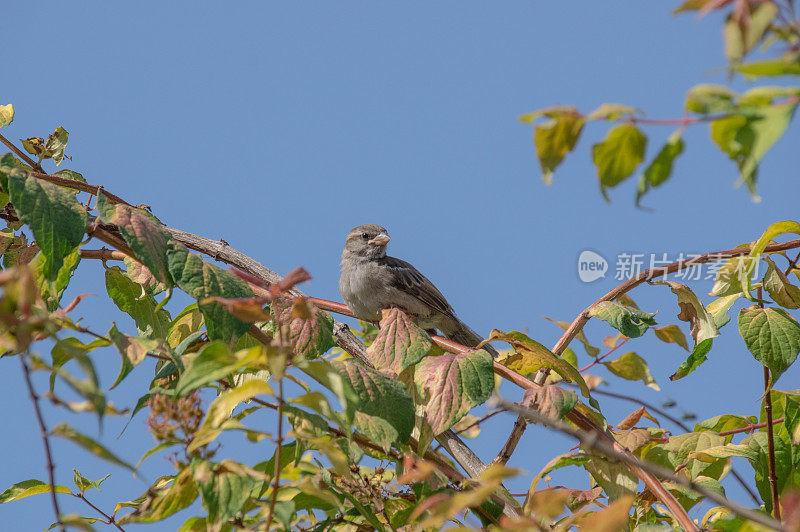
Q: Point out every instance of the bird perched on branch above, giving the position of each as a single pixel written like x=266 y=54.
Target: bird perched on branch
x=371 y=281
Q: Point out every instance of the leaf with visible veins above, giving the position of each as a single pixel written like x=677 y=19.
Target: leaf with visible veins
x=399 y=344
x=452 y=384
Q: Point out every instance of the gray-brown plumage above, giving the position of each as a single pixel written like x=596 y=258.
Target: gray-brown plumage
x=370 y=281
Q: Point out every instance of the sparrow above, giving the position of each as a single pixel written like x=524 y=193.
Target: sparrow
x=372 y=281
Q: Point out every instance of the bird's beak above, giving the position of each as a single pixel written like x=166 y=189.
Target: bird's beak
x=380 y=240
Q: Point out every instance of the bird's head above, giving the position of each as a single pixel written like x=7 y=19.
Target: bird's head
x=367 y=241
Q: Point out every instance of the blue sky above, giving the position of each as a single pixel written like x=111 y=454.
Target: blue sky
x=279 y=126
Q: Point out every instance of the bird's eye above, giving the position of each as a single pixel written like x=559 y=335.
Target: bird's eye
x=365 y=236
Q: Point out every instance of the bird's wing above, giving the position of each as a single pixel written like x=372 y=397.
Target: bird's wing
x=406 y=278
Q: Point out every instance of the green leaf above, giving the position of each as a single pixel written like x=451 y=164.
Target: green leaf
x=310 y=329
x=719 y=309
x=56 y=218
x=131 y=298
x=65 y=431
x=225 y=489
x=696 y=357
x=754 y=448
x=160 y=447
x=618 y=155
x=660 y=168
x=772 y=336
x=83 y=483
x=681 y=449
x=770 y=67
x=632 y=367
x=693 y=312
x=221 y=409
x=727 y=280
x=615 y=478
x=785 y=404
x=70 y=348
x=554 y=111
x=741 y=38
x=55 y=144
x=452 y=384
x=160 y=504
x=6 y=115
x=401 y=343
x=381 y=399
x=747 y=137
x=629 y=321
x=709 y=98
x=530 y=355
x=611 y=111
x=138 y=273
x=687 y=497
x=70 y=174
x=327 y=375
x=143 y=232
x=133 y=350
x=776 y=229
x=554 y=139
x=53 y=290
x=185 y=324
x=71 y=521
x=202 y=280
x=26 y=488
x=671 y=334
x=213 y=362
x=777 y=285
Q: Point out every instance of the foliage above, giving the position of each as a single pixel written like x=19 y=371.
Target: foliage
x=744 y=126
x=352 y=442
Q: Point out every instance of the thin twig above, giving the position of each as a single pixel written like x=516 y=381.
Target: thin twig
x=110 y=519
x=750 y=428
x=597 y=360
x=78 y=185
x=479 y=421
x=21 y=154
x=602 y=445
x=792 y=265
x=26 y=372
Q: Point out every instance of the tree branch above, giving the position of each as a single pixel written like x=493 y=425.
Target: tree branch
x=602 y=444
x=21 y=154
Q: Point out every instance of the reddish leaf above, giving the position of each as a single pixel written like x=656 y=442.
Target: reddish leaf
x=399 y=344
x=310 y=330
x=452 y=384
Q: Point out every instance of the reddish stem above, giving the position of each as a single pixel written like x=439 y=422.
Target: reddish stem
x=751 y=427
x=599 y=359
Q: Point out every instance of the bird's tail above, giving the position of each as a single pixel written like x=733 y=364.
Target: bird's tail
x=462 y=334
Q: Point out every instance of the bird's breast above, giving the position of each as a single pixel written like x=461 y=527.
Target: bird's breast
x=363 y=290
